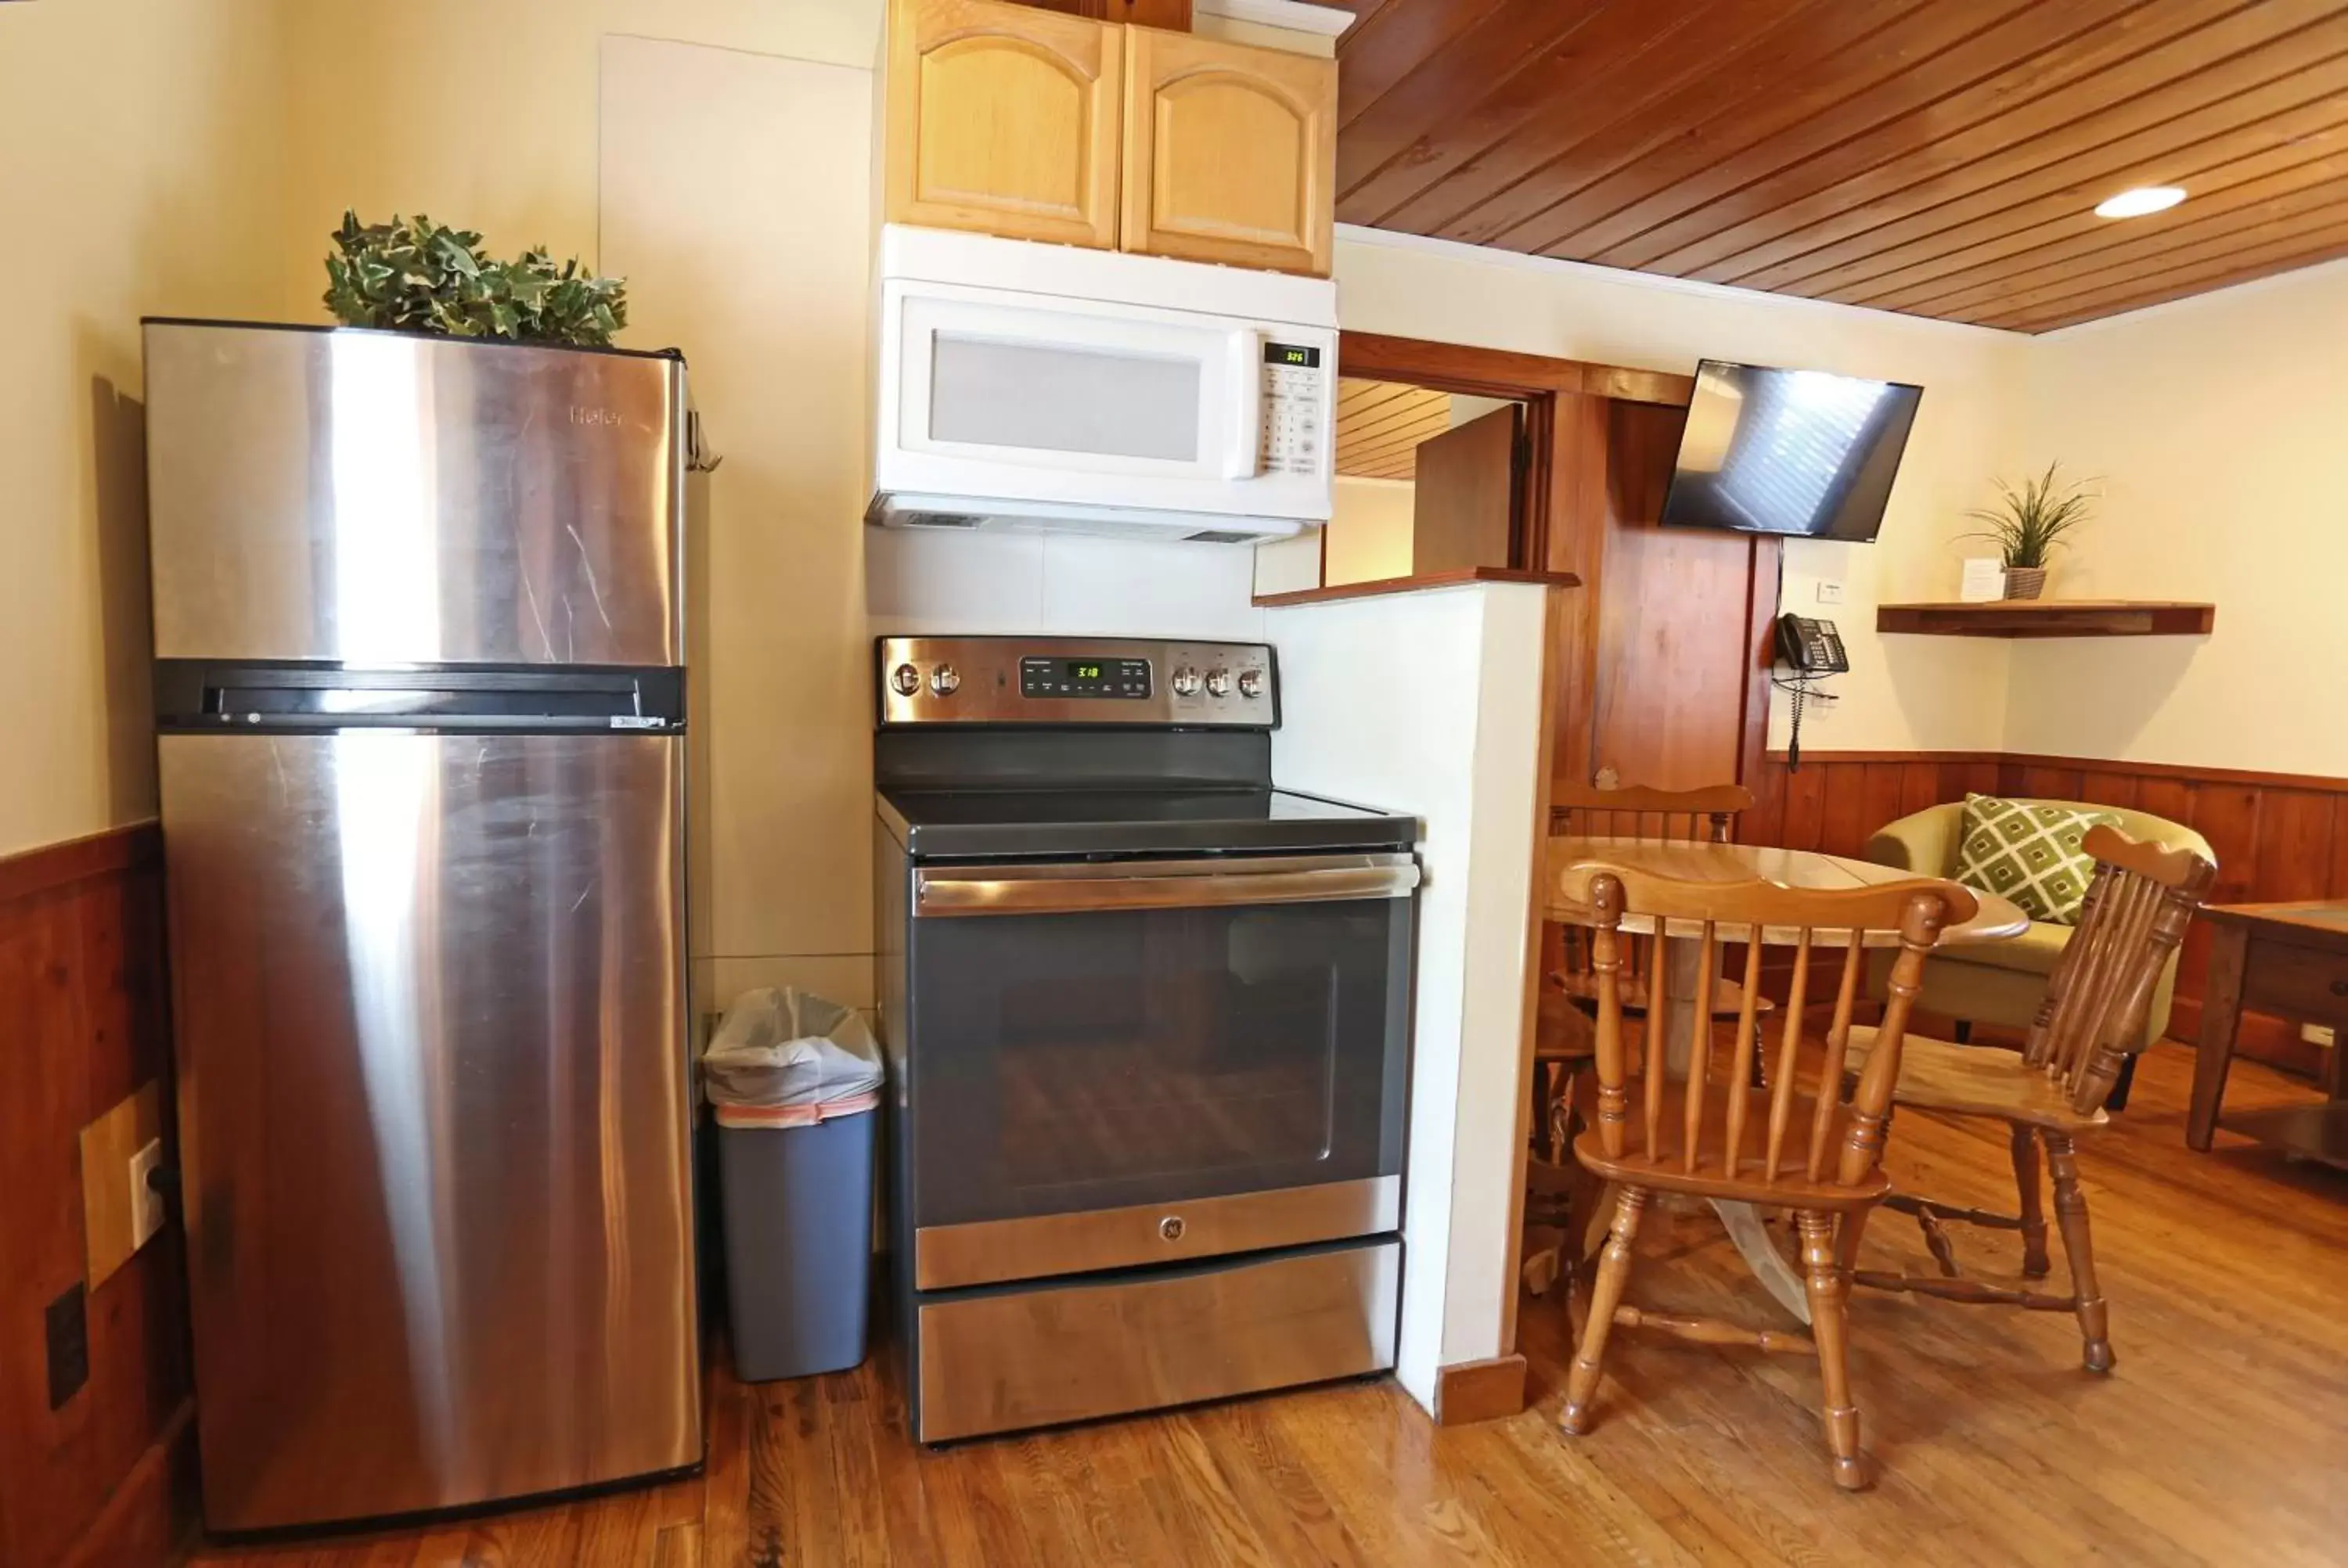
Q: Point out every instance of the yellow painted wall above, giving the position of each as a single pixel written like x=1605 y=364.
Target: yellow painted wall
x=2219 y=427
x=1369 y=533
x=137 y=175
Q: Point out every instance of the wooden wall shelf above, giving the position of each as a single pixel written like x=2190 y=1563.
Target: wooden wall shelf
x=2050 y=618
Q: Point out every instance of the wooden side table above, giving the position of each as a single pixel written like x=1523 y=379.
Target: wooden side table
x=2286 y=958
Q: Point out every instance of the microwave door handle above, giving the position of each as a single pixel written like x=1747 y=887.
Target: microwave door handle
x=1242 y=459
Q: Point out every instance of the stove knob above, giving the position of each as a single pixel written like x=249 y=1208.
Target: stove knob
x=1250 y=683
x=1186 y=682
x=905 y=679
x=945 y=679
x=1219 y=682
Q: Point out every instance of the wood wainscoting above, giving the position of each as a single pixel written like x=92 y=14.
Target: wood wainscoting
x=2277 y=835
x=103 y=1477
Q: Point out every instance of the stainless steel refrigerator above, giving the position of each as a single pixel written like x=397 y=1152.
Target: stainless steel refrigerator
x=419 y=693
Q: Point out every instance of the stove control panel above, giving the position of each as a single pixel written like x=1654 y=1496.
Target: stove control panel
x=1059 y=680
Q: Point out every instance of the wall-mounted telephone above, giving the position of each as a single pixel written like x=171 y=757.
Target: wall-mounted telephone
x=1814 y=647
x=1811 y=647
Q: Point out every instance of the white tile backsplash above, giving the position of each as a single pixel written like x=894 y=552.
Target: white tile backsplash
x=1057 y=584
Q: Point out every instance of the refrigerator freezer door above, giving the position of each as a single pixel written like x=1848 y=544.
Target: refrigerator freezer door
x=385 y=499
x=433 y=1114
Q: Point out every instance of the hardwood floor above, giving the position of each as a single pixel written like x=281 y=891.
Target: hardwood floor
x=2221 y=1438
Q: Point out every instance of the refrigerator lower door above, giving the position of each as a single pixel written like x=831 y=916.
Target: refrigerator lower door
x=433 y=1113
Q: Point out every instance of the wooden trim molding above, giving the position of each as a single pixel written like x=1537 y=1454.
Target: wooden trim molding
x=2323 y=783
x=1467 y=1392
x=1455 y=578
x=1502 y=373
x=137 y=846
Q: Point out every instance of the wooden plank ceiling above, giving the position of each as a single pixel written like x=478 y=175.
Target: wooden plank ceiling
x=1937 y=157
x=1380 y=425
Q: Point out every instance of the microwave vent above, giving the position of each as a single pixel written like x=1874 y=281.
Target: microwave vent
x=1219 y=537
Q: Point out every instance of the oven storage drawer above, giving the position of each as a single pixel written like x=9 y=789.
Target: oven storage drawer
x=1016 y=1358
x=985 y=1252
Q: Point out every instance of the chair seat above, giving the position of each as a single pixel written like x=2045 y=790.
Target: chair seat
x=1976 y=1080
x=1727 y=995
x=1663 y=1171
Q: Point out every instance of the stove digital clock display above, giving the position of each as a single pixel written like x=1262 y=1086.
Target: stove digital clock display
x=1043 y=677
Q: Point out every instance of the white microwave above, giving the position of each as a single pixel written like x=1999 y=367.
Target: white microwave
x=1028 y=386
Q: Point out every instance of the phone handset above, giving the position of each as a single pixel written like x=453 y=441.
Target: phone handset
x=1813 y=648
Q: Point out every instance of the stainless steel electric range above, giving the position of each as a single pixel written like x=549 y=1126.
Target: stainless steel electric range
x=1147 y=1022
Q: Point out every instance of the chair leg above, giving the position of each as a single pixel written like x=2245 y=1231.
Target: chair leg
x=1847 y=1236
x=2023 y=1141
x=1830 y=1329
x=2079 y=1251
x=1605 y=1295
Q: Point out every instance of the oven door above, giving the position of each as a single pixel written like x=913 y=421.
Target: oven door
x=1146 y=1062
x=988 y=393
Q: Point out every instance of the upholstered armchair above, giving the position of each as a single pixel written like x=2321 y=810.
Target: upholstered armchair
x=2003 y=982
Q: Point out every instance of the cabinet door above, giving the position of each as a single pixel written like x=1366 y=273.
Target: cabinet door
x=1230 y=152
x=1003 y=118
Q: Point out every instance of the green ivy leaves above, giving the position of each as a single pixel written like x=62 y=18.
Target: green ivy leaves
x=421 y=277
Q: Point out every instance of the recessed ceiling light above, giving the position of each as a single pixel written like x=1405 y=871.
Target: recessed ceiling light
x=2143 y=200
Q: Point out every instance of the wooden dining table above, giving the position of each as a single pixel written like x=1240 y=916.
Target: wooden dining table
x=1996 y=920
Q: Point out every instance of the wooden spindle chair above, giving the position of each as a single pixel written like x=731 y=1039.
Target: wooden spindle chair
x=2089 y=1023
x=1817 y=1153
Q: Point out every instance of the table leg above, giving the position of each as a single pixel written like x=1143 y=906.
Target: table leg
x=2221 y=1016
x=1685 y=956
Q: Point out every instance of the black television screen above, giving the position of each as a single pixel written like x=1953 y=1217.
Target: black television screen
x=1795 y=452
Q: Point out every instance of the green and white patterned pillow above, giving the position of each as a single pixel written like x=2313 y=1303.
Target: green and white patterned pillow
x=2028 y=851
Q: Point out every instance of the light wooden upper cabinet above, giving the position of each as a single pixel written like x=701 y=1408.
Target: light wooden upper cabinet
x=1003 y=118
x=1230 y=152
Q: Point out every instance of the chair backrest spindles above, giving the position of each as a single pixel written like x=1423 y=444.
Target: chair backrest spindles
x=1699 y=1067
x=1740 y=1058
x=1844 y=1137
x=2134 y=914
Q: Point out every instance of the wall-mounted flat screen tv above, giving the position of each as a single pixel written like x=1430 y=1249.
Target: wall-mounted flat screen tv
x=1795 y=452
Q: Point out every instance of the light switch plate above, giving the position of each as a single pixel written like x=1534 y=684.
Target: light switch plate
x=1829 y=593
x=146 y=1203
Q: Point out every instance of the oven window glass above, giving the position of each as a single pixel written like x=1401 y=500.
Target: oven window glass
x=1074 y=1062
x=999 y=392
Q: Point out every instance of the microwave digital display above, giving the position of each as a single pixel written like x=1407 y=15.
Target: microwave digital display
x=1303 y=356
x=1043 y=677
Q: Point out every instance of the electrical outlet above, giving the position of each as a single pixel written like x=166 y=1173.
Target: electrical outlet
x=2316 y=1034
x=1829 y=593
x=66 y=1323
x=146 y=1203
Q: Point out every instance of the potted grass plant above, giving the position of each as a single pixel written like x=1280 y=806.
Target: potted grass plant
x=2028 y=522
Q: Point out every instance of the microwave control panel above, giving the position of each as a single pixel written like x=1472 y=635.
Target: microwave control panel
x=1294 y=438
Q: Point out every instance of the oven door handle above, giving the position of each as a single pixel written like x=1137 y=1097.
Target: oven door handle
x=1162 y=885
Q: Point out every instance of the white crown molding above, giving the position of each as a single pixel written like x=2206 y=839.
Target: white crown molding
x=1294 y=14
x=1354 y=233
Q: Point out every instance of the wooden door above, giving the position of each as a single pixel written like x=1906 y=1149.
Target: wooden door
x=1464 y=495
x=1230 y=152
x=1003 y=118
x=1675 y=666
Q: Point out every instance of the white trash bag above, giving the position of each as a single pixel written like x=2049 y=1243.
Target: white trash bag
x=785 y=1059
